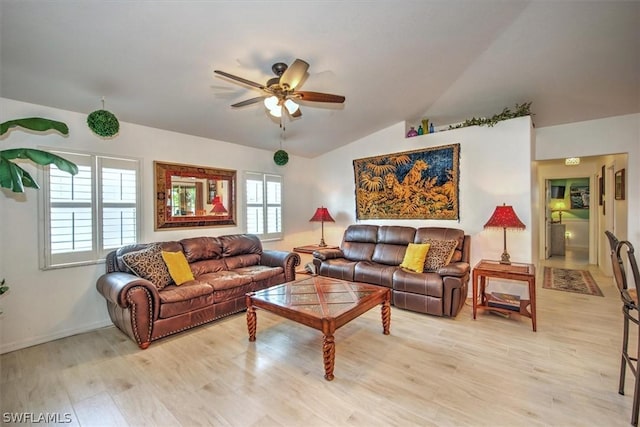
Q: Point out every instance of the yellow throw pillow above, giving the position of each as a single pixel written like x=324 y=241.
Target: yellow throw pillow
x=414 y=257
x=178 y=267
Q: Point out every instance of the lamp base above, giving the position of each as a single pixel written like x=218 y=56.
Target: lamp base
x=506 y=259
x=322 y=243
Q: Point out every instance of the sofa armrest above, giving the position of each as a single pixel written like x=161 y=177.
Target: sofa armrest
x=115 y=286
x=325 y=254
x=456 y=269
x=287 y=260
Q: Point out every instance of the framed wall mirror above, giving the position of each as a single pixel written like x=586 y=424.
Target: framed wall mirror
x=193 y=196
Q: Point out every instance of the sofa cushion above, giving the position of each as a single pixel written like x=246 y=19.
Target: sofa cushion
x=190 y=296
x=240 y=261
x=178 y=267
x=239 y=244
x=207 y=266
x=259 y=272
x=374 y=273
x=148 y=264
x=396 y=235
x=415 y=256
x=357 y=251
x=227 y=284
x=439 y=255
x=361 y=233
x=359 y=242
x=389 y=254
x=189 y=290
x=338 y=268
x=197 y=248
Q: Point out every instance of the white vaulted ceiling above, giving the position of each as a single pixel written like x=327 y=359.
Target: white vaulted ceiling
x=403 y=60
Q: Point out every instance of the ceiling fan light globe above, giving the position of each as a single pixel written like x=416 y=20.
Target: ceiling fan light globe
x=276 y=112
x=292 y=107
x=271 y=102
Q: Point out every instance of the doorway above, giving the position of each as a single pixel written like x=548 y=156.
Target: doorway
x=604 y=212
x=568 y=219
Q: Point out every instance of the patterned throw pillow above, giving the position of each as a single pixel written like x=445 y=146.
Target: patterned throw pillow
x=148 y=264
x=439 y=255
x=415 y=256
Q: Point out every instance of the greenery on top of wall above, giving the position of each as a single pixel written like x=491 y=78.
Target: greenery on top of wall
x=506 y=114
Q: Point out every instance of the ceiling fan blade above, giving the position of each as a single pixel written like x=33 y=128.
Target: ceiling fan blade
x=294 y=74
x=319 y=97
x=248 y=101
x=240 y=79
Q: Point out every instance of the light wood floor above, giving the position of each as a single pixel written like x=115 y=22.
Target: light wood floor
x=429 y=372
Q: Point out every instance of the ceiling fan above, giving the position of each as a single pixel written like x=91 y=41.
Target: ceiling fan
x=281 y=91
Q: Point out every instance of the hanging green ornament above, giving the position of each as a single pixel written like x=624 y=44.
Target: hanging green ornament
x=103 y=123
x=281 y=157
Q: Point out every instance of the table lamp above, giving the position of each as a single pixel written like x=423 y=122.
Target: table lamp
x=322 y=215
x=504 y=217
x=218 y=208
x=559 y=207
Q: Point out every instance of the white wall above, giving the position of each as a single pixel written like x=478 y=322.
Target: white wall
x=44 y=305
x=492 y=160
x=577 y=233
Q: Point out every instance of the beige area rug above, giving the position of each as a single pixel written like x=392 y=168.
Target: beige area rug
x=577 y=281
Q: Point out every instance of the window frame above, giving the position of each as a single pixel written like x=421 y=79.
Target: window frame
x=251 y=175
x=98 y=253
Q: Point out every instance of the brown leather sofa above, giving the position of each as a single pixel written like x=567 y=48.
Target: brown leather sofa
x=225 y=268
x=372 y=254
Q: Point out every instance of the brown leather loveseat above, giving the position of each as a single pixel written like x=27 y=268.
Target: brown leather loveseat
x=145 y=302
x=373 y=254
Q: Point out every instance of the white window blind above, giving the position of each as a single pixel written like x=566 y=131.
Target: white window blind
x=263 y=205
x=88 y=214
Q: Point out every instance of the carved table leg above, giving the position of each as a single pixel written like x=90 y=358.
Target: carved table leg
x=386 y=317
x=329 y=355
x=251 y=322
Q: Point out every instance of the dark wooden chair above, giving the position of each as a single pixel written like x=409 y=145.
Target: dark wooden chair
x=622 y=253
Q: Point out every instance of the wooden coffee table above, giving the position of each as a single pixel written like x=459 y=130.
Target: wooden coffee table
x=321 y=303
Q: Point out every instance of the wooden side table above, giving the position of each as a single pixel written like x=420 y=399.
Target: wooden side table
x=514 y=271
x=309 y=249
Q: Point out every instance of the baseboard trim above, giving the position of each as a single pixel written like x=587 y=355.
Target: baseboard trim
x=31 y=341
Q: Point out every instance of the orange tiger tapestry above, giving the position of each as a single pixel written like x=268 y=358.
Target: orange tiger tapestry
x=419 y=184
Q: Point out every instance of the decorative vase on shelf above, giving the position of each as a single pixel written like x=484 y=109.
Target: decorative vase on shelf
x=420 y=130
x=425 y=125
x=431 y=128
x=412 y=132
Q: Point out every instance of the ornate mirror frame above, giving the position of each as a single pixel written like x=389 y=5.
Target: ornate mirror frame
x=189 y=196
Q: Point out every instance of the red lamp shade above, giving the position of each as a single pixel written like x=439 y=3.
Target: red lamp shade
x=504 y=217
x=218 y=208
x=322 y=215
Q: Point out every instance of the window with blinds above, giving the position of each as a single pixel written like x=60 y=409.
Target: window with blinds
x=88 y=214
x=263 y=205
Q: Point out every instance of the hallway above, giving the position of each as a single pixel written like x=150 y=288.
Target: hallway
x=573 y=258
